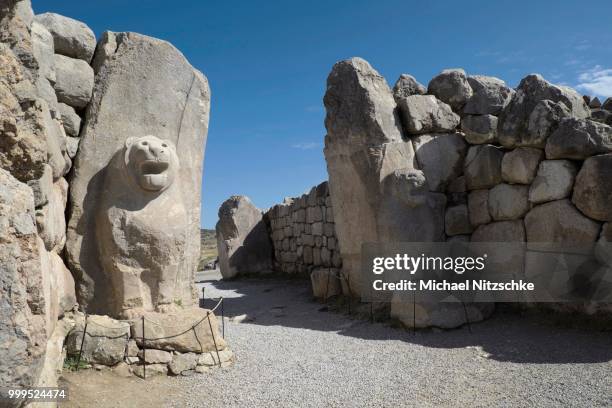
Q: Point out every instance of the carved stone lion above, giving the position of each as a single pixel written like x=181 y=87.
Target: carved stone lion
x=141 y=227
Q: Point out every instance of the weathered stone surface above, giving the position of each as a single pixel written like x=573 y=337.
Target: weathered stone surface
x=74 y=81
x=71 y=37
x=490 y=95
x=23 y=147
x=42 y=47
x=183 y=362
x=579 y=139
x=515 y=118
x=479 y=129
x=425 y=114
x=50 y=219
x=559 y=221
x=409 y=212
x=607 y=105
x=593 y=188
x=152 y=356
x=602 y=116
x=105 y=339
x=554 y=181
x=543 y=121
x=595 y=103
x=483 y=167
x=446 y=315
x=478 y=207
x=603 y=249
x=151 y=370
x=501 y=231
x=456 y=220
x=72 y=146
x=70 y=120
x=519 y=166
x=452 y=87
x=508 y=202
x=56 y=143
x=363 y=146
x=325 y=283
x=211 y=359
x=407 y=85
x=441 y=158
x=42 y=187
x=198 y=340
x=23 y=331
x=54 y=354
x=242 y=238
x=140 y=67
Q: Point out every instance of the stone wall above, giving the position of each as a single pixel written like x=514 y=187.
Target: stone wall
x=466 y=158
x=303 y=233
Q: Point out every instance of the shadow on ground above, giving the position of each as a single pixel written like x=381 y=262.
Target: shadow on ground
x=507 y=336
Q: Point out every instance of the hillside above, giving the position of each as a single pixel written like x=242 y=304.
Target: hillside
x=208 y=251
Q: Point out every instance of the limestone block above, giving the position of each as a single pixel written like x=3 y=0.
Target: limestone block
x=483 y=167
x=559 y=221
x=490 y=95
x=71 y=37
x=425 y=114
x=478 y=207
x=479 y=129
x=578 y=139
x=519 y=166
x=508 y=202
x=593 y=188
x=440 y=157
x=451 y=86
x=554 y=181
x=457 y=220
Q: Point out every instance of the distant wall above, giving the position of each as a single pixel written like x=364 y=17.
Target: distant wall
x=303 y=234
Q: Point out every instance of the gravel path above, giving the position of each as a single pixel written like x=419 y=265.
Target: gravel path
x=291 y=352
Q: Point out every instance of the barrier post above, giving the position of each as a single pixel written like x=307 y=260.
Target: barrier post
x=144 y=351
x=82 y=343
x=212 y=333
x=223 y=315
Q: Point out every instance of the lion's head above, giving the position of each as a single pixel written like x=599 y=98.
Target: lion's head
x=151 y=162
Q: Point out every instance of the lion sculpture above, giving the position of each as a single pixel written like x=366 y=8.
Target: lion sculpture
x=141 y=227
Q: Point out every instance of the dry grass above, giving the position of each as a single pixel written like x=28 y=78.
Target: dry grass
x=208 y=251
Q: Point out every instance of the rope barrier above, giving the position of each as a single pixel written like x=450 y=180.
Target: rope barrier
x=144 y=339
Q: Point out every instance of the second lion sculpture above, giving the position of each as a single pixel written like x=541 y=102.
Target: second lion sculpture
x=141 y=227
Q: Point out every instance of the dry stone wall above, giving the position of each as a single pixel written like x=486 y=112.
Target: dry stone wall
x=303 y=235
x=465 y=158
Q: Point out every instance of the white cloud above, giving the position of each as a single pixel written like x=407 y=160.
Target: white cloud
x=307 y=145
x=596 y=81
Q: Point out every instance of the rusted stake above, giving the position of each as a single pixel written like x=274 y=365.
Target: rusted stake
x=213 y=338
x=82 y=343
x=144 y=351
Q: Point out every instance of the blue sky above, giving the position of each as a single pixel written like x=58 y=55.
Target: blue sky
x=267 y=62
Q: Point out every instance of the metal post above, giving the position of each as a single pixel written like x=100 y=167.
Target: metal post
x=223 y=315
x=213 y=338
x=144 y=351
x=82 y=343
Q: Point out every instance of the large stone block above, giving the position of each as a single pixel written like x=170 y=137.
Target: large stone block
x=70 y=120
x=121 y=113
x=363 y=145
x=407 y=85
x=23 y=328
x=490 y=95
x=478 y=207
x=71 y=37
x=191 y=325
x=242 y=239
x=425 y=114
x=479 y=129
x=105 y=339
x=593 y=188
x=456 y=220
x=508 y=202
x=483 y=167
x=559 y=221
x=554 y=181
x=543 y=121
x=515 y=118
x=441 y=158
x=325 y=283
x=520 y=165
x=451 y=86
x=500 y=231
x=74 y=81
x=445 y=315
x=578 y=139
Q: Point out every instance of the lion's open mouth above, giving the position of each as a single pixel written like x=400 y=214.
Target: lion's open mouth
x=153 y=167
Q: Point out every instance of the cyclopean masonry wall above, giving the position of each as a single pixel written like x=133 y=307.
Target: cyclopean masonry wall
x=466 y=158
x=296 y=237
